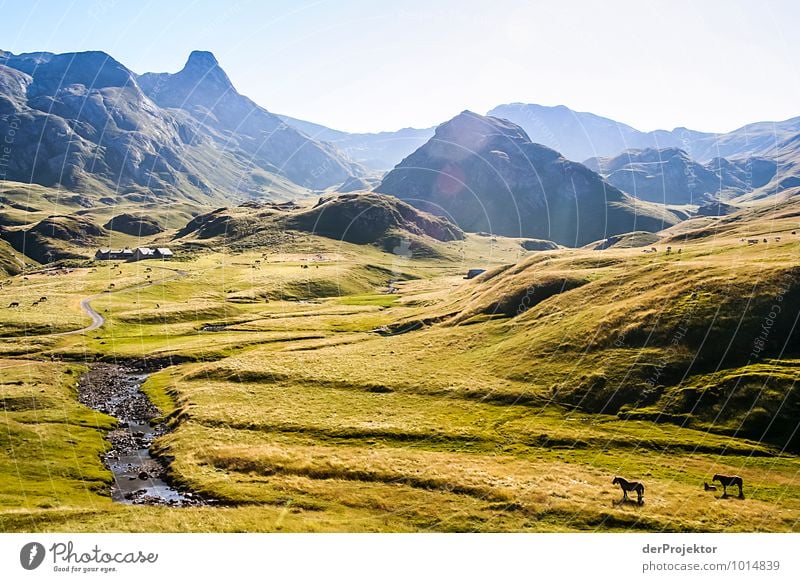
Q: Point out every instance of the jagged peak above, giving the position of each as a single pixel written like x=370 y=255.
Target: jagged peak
x=202 y=68
x=202 y=60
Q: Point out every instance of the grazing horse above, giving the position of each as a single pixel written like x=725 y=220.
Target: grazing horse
x=630 y=486
x=707 y=487
x=729 y=481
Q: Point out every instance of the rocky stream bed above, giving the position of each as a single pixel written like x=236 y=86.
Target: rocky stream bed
x=139 y=477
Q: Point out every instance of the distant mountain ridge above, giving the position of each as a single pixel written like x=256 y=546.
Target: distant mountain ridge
x=84 y=121
x=578 y=136
x=377 y=151
x=485 y=174
x=670 y=176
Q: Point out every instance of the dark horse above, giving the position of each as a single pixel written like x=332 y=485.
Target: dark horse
x=729 y=481
x=630 y=486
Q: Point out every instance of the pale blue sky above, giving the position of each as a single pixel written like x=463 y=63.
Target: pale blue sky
x=377 y=65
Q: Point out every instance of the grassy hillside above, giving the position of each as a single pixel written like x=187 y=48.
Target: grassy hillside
x=323 y=385
x=11 y=262
x=22 y=204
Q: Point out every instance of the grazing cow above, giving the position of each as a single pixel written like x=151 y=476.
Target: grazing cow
x=708 y=487
x=630 y=486
x=34 y=304
x=729 y=481
x=13 y=304
x=111 y=285
x=42 y=299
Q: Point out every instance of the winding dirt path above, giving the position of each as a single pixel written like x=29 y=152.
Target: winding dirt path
x=97 y=319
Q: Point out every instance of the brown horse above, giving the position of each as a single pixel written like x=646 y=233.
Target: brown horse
x=729 y=481
x=630 y=486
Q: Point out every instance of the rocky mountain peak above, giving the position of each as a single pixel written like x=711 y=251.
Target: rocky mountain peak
x=200 y=82
x=201 y=60
x=468 y=133
x=204 y=67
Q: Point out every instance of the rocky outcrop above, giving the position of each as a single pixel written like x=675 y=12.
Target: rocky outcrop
x=534 y=244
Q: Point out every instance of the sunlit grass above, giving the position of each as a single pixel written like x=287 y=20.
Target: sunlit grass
x=330 y=387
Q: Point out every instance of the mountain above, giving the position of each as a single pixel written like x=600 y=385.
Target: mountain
x=670 y=176
x=485 y=174
x=580 y=135
x=787 y=154
x=85 y=122
x=203 y=90
x=376 y=151
x=763 y=138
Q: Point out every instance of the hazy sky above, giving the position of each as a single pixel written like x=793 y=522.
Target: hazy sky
x=379 y=65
